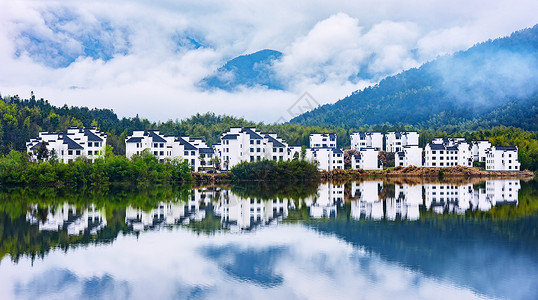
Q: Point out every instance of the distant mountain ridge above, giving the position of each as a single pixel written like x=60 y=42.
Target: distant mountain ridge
x=492 y=83
x=249 y=70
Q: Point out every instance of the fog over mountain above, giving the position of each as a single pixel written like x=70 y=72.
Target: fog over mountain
x=162 y=60
x=495 y=82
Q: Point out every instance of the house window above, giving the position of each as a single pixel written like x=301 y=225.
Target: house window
x=89 y=144
x=89 y=152
x=251 y=158
x=155 y=153
x=193 y=153
x=258 y=149
x=193 y=161
x=161 y=153
x=252 y=142
x=274 y=158
x=251 y=149
x=186 y=153
x=78 y=152
x=258 y=142
x=258 y=158
x=70 y=152
x=161 y=145
x=155 y=145
x=281 y=149
x=274 y=149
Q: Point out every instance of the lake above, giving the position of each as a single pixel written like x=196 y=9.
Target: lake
x=347 y=240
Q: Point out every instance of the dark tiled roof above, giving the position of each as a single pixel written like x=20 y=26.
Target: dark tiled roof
x=156 y=138
x=71 y=144
x=37 y=145
x=230 y=137
x=275 y=142
x=134 y=140
x=186 y=145
x=207 y=150
x=506 y=148
x=452 y=148
x=338 y=151
x=92 y=136
x=253 y=135
x=437 y=146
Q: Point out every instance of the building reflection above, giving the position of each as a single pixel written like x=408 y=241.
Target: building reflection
x=67 y=217
x=368 y=200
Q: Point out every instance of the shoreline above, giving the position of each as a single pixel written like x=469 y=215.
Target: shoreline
x=423 y=172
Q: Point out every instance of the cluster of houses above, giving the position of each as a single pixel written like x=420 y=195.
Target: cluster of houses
x=248 y=144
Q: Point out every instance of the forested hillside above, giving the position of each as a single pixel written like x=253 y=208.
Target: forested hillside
x=22 y=119
x=493 y=83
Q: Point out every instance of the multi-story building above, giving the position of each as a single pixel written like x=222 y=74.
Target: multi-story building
x=500 y=158
x=367 y=140
x=367 y=159
x=409 y=156
x=248 y=144
x=68 y=145
x=368 y=205
x=328 y=158
x=479 y=149
x=164 y=147
x=440 y=155
x=323 y=140
x=394 y=141
x=448 y=197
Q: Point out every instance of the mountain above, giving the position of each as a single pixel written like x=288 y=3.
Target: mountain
x=247 y=70
x=491 y=83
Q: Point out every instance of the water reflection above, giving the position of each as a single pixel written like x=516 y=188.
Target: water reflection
x=369 y=200
x=370 y=239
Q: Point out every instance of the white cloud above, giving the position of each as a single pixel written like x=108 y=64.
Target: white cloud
x=325 y=45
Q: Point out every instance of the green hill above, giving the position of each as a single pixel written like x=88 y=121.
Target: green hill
x=492 y=83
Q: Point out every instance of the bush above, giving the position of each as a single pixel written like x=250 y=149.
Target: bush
x=268 y=170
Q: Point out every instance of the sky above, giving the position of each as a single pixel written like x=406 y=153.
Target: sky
x=148 y=58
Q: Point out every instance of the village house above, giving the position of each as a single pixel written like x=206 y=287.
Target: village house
x=322 y=140
x=367 y=159
x=367 y=140
x=499 y=158
x=165 y=147
x=409 y=156
x=68 y=145
x=248 y=144
x=394 y=141
x=440 y=155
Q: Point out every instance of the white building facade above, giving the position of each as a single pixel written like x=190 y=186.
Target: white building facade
x=323 y=140
x=367 y=159
x=70 y=144
x=395 y=141
x=502 y=159
x=409 y=156
x=367 y=140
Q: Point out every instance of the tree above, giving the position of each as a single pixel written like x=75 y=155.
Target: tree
x=348 y=156
x=202 y=159
x=42 y=151
x=303 y=152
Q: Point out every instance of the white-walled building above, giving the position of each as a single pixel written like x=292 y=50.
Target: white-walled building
x=66 y=217
x=367 y=140
x=322 y=140
x=409 y=156
x=440 y=155
x=479 y=149
x=248 y=144
x=164 y=147
x=394 y=141
x=70 y=144
x=500 y=158
x=367 y=159
x=328 y=158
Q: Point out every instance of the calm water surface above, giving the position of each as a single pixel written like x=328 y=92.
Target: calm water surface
x=355 y=240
